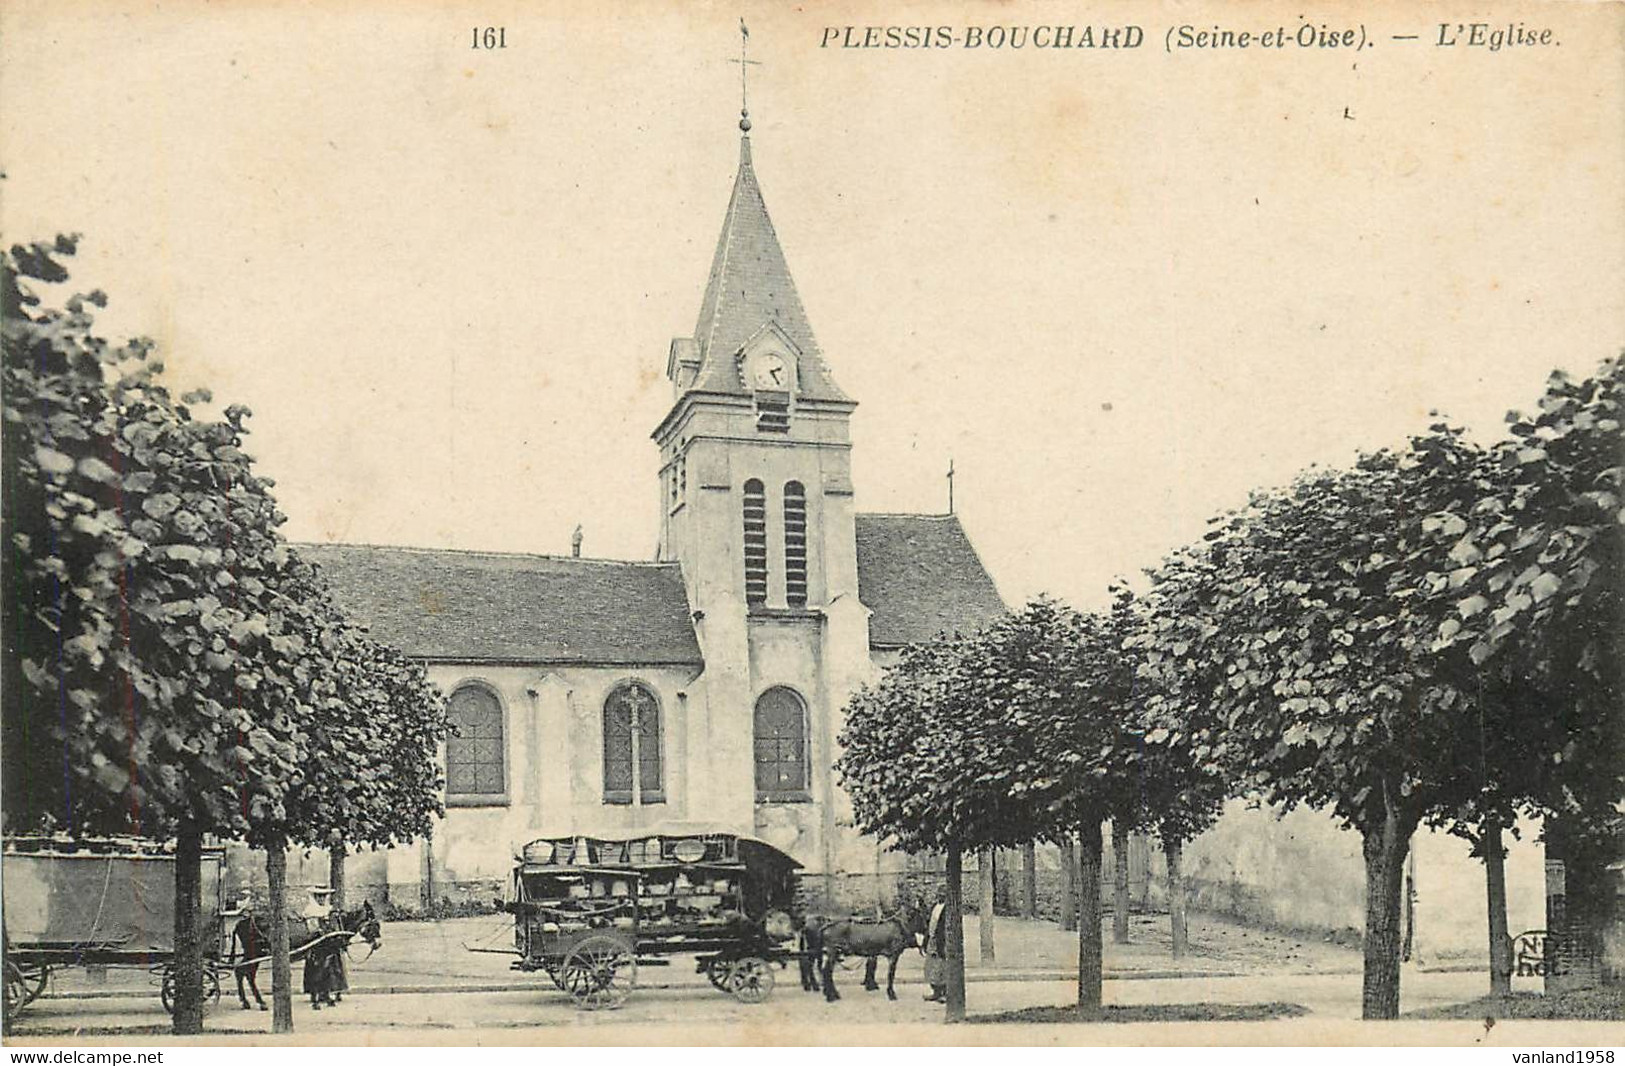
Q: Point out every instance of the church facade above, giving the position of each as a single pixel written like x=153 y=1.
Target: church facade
x=703 y=688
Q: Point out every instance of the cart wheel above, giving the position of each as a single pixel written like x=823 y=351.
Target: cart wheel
x=211 y=989
x=33 y=982
x=17 y=985
x=751 y=980
x=600 y=972
x=720 y=973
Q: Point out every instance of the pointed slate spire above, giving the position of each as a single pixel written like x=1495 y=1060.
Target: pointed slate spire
x=750 y=287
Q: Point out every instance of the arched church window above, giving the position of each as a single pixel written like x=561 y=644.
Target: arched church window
x=475 y=756
x=632 y=745
x=755 y=543
x=781 y=746
x=795 y=544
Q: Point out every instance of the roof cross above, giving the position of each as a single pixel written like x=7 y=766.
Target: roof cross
x=950 y=486
x=745 y=63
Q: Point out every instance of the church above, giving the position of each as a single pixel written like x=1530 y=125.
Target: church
x=704 y=687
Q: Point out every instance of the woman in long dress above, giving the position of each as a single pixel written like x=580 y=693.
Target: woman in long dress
x=321 y=960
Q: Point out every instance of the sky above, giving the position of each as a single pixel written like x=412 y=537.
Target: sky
x=1117 y=289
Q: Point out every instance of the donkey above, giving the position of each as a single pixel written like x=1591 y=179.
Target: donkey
x=323 y=970
x=873 y=939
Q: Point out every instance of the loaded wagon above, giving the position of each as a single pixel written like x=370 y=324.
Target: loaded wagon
x=100 y=903
x=588 y=911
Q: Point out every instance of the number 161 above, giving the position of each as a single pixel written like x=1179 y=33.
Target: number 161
x=490 y=37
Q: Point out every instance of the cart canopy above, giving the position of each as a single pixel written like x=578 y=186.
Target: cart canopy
x=122 y=898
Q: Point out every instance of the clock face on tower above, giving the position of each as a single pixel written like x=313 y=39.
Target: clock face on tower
x=770 y=370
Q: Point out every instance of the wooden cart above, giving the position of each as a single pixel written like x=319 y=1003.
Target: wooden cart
x=589 y=911
x=104 y=903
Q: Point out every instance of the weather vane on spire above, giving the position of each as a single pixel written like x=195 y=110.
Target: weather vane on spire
x=744 y=63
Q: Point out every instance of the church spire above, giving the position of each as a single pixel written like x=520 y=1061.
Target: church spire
x=749 y=287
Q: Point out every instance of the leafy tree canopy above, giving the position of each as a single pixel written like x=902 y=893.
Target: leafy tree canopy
x=179 y=663
x=1297 y=638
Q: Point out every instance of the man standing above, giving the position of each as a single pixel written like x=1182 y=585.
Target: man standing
x=936 y=949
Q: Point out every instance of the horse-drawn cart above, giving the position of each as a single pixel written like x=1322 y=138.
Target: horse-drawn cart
x=99 y=903
x=589 y=910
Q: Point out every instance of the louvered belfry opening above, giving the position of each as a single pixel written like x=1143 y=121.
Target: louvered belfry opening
x=772 y=414
x=755 y=543
x=795 y=544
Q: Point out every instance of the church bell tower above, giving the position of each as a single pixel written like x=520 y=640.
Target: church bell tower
x=754 y=398
x=757 y=507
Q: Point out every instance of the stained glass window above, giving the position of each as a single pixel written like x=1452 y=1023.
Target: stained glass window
x=474 y=756
x=632 y=735
x=781 y=745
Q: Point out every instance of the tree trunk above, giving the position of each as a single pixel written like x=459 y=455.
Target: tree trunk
x=1089 y=949
x=1069 y=884
x=428 y=873
x=954 y=915
x=1120 y=904
x=1495 y=885
x=1139 y=872
x=335 y=875
x=1029 y=880
x=1384 y=846
x=1173 y=851
x=276 y=873
x=984 y=905
x=188 y=1001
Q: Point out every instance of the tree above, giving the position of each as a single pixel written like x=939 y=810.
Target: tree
x=1069 y=883
x=1497 y=779
x=378 y=725
x=368 y=767
x=182 y=671
x=1300 y=634
x=1178 y=795
x=1053 y=688
x=1540 y=585
x=142 y=551
x=1122 y=827
x=949 y=752
x=908 y=750
x=987 y=949
x=1029 y=880
x=1182 y=799
x=1538 y=593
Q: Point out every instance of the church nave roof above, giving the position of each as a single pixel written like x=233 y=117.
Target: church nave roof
x=919 y=576
x=465 y=606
